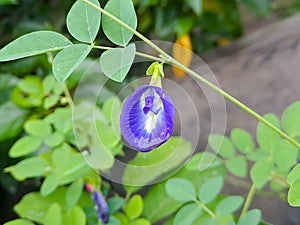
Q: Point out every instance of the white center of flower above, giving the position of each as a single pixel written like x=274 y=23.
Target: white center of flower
x=150 y=122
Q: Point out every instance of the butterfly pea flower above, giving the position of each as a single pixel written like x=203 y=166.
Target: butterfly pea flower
x=147 y=118
x=100 y=203
x=101 y=206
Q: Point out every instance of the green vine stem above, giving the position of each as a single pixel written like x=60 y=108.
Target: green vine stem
x=248 y=200
x=171 y=60
x=206 y=209
x=151 y=57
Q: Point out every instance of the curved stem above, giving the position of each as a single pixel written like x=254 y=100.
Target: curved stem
x=68 y=95
x=206 y=209
x=147 y=56
x=173 y=61
x=248 y=200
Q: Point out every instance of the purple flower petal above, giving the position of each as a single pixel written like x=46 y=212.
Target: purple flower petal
x=101 y=205
x=147 y=118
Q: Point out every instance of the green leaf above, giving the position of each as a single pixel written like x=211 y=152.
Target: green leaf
x=24 y=146
x=73 y=192
x=134 y=207
x=294 y=195
x=210 y=189
x=167 y=156
x=69 y=170
x=110 y=138
x=113 y=221
x=158 y=204
x=49 y=184
x=195 y=5
x=221 y=145
x=285 y=155
x=12 y=120
x=111 y=110
x=115 y=63
x=33 y=44
x=257 y=155
x=123 y=10
x=53 y=215
x=181 y=189
x=294 y=175
x=210 y=221
x=203 y=160
x=29 y=168
x=261 y=171
x=291 y=120
x=61 y=119
x=8 y=2
x=54 y=139
x=68 y=59
x=19 y=222
x=31 y=85
x=38 y=128
x=75 y=216
x=124 y=220
x=140 y=221
x=83 y=21
x=228 y=205
x=50 y=101
x=188 y=214
x=237 y=166
x=115 y=203
x=242 y=140
x=265 y=136
x=33 y=205
x=252 y=217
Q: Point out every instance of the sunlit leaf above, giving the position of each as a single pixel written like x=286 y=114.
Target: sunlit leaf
x=19 y=222
x=229 y=205
x=221 y=145
x=73 y=192
x=34 y=43
x=242 y=140
x=53 y=215
x=123 y=10
x=116 y=63
x=67 y=60
x=134 y=207
x=188 y=214
x=261 y=171
x=210 y=189
x=24 y=146
x=181 y=189
x=83 y=21
x=252 y=217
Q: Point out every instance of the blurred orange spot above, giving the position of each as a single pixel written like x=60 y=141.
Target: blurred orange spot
x=183 y=53
x=212 y=5
x=223 y=42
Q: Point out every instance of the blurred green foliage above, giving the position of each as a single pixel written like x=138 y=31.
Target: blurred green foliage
x=37 y=133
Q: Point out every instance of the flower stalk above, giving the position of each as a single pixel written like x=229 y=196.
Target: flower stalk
x=168 y=59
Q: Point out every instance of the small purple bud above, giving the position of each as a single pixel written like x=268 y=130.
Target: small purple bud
x=101 y=205
x=147 y=118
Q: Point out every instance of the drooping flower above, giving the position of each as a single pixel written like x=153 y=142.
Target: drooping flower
x=100 y=203
x=147 y=118
x=101 y=206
